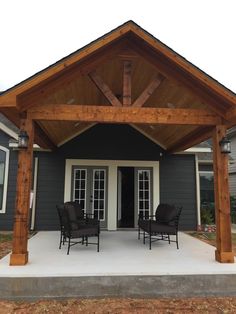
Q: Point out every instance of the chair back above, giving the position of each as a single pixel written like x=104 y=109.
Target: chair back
x=165 y=213
x=60 y=209
x=77 y=208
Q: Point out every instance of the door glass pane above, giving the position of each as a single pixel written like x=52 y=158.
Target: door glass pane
x=99 y=178
x=79 y=188
x=144 y=192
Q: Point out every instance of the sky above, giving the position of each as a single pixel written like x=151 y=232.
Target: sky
x=35 y=34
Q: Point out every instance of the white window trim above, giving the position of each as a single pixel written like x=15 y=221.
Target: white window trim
x=6 y=170
x=112 y=182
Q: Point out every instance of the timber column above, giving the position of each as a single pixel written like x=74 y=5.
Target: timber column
x=223 y=253
x=19 y=254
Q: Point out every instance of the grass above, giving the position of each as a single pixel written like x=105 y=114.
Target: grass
x=210 y=238
x=5 y=237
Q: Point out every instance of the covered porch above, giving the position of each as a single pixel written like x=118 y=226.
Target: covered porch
x=126 y=77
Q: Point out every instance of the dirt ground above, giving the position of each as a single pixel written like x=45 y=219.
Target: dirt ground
x=122 y=306
x=117 y=306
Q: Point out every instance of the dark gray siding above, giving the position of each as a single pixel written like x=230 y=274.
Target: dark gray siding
x=6 y=220
x=115 y=142
x=103 y=141
x=50 y=190
x=178 y=186
x=111 y=142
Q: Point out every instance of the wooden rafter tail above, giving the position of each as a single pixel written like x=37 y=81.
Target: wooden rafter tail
x=127 y=84
x=148 y=91
x=104 y=89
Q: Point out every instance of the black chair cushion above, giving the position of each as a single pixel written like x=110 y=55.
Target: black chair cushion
x=85 y=231
x=162 y=228
x=165 y=213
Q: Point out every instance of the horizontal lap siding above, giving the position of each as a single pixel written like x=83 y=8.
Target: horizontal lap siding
x=178 y=186
x=6 y=219
x=50 y=190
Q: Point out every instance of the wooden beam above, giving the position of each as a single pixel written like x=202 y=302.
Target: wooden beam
x=224 y=252
x=127 y=83
x=172 y=72
x=148 y=91
x=104 y=89
x=231 y=116
x=7 y=101
x=110 y=114
x=42 y=139
x=19 y=254
x=197 y=136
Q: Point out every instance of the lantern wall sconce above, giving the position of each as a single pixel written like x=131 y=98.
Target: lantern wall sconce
x=225 y=145
x=23 y=139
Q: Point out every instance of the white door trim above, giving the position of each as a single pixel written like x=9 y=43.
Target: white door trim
x=112 y=181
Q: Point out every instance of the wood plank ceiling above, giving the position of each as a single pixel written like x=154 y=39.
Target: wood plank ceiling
x=81 y=90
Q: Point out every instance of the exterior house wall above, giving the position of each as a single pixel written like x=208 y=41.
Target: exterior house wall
x=104 y=142
x=178 y=186
x=232 y=167
x=7 y=218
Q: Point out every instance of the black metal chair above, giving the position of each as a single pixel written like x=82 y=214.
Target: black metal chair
x=76 y=229
x=160 y=226
x=60 y=209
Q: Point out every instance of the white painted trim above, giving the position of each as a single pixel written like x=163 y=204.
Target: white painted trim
x=33 y=212
x=198 y=198
x=8 y=131
x=74 y=135
x=112 y=181
x=6 y=172
x=205 y=161
x=198 y=150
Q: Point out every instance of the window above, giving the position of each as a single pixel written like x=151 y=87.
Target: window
x=80 y=182
x=4 y=165
x=206 y=187
x=144 y=192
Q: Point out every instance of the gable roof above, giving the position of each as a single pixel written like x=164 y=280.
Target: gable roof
x=66 y=81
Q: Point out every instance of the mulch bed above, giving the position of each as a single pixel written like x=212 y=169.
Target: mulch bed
x=122 y=306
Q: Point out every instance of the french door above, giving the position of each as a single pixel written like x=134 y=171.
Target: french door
x=143 y=192
x=89 y=188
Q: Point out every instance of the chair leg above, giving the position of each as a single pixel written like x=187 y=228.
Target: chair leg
x=98 y=244
x=169 y=238
x=150 y=241
x=86 y=240
x=138 y=233
x=177 y=241
x=61 y=239
x=68 y=250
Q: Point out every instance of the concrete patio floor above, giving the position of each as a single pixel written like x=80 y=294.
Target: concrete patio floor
x=121 y=253
x=123 y=266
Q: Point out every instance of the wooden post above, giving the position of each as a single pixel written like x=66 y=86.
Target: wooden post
x=223 y=253
x=127 y=99
x=19 y=254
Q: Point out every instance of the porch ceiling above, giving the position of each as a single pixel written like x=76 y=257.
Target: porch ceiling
x=72 y=81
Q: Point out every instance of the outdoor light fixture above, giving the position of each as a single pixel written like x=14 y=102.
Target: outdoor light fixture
x=225 y=145
x=23 y=139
